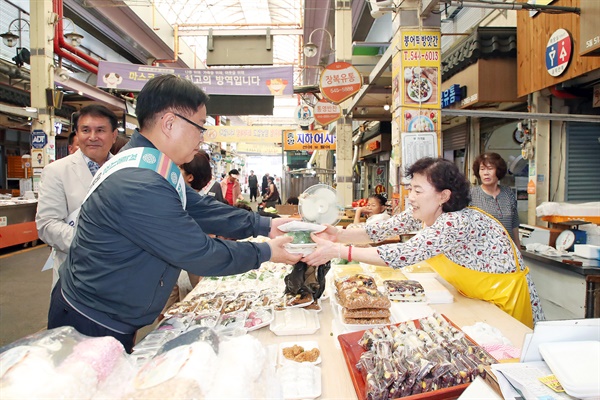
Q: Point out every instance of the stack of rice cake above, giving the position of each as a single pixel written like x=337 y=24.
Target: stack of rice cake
x=405 y=290
x=361 y=302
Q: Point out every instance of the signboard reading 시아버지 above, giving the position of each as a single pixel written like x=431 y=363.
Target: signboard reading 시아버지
x=308 y=140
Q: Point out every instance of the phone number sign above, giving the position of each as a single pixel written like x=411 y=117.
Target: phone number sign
x=559 y=52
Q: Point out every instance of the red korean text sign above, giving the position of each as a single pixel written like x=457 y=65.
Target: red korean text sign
x=326 y=112
x=340 y=81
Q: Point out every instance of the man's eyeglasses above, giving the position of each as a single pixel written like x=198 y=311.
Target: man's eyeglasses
x=200 y=128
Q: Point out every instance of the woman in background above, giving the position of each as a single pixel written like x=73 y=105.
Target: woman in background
x=496 y=200
x=198 y=174
x=374 y=210
x=272 y=196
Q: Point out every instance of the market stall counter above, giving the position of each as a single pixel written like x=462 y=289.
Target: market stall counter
x=336 y=380
x=243 y=328
x=567 y=286
x=323 y=327
x=17 y=221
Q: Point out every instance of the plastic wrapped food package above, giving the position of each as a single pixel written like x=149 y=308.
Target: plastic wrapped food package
x=64 y=364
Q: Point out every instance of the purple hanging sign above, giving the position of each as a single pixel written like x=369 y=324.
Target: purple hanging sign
x=249 y=81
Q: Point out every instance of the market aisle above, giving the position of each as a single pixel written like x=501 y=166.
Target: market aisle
x=24 y=292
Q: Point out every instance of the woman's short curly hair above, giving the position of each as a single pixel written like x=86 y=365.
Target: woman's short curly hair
x=493 y=159
x=443 y=174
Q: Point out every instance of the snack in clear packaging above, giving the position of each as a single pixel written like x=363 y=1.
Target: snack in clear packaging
x=362 y=297
x=259 y=318
x=405 y=290
x=182 y=307
x=234 y=305
x=366 y=313
x=366 y=321
x=208 y=320
x=232 y=320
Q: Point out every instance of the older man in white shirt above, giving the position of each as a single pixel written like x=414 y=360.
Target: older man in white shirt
x=65 y=182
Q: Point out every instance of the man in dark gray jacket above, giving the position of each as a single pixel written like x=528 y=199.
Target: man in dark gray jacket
x=139 y=226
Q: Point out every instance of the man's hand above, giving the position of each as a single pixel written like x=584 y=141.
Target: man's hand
x=279 y=254
x=276 y=223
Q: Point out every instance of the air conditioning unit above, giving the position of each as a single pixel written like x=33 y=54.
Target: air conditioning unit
x=380 y=7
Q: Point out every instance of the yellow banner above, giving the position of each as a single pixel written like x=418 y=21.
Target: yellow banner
x=420 y=71
x=259 y=148
x=245 y=134
x=308 y=140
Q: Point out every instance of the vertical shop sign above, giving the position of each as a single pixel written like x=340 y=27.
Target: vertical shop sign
x=417 y=88
x=340 y=81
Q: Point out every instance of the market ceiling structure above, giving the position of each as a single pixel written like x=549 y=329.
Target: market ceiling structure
x=117 y=25
x=291 y=22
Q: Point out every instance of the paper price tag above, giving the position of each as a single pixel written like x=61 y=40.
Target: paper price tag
x=552 y=383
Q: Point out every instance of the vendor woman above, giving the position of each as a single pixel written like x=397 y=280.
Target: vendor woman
x=466 y=246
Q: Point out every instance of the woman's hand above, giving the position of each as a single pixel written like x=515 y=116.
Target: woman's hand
x=275 y=224
x=325 y=251
x=331 y=234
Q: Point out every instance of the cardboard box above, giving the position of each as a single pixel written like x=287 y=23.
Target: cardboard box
x=538 y=234
x=286 y=209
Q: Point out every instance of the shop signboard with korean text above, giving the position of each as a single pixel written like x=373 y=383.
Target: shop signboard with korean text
x=250 y=81
x=418 y=91
x=420 y=68
x=244 y=134
x=326 y=112
x=420 y=80
x=559 y=52
x=308 y=140
x=340 y=81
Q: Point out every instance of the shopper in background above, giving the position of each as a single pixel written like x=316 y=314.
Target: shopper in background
x=474 y=247
x=265 y=184
x=73 y=145
x=65 y=182
x=491 y=197
x=272 y=196
x=120 y=141
x=231 y=187
x=198 y=171
x=374 y=210
x=141 y=225
x=253 y=185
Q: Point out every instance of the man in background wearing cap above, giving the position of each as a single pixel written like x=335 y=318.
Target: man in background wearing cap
x=230 y=187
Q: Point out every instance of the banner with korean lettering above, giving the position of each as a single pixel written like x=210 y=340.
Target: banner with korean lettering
x=247 y=81
x=420 y=68
x=417 y=88
x=263 y=149
x=244 y=134
x=308 y=140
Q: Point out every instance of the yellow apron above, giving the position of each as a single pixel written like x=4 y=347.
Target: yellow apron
x=510 y=291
